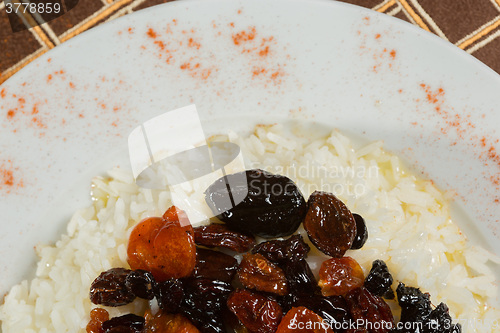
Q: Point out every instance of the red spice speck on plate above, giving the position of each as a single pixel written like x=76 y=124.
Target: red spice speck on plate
x=151 y=33
x=2 y=93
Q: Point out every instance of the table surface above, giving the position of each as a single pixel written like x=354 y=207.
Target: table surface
x=472 y=25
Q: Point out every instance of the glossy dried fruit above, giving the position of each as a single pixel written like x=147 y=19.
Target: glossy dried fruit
x=259 y=314
x=97 y=317
x=162 y=246
x=440 y=321
x=256 y=272
x=303 y=320
x=204 y=302
x=300 y=278
x=415 y=305
x=219 y=235
x=329 y=224
x=163 y=322
x=110 y=288
x=271 y=205
x=361 y=232
x=169 y=295
x=129 y=323
x=379 y=280
x=141 y=283
x=279 y=251
x=215 y=265
x=339 y=276
x=372 y=312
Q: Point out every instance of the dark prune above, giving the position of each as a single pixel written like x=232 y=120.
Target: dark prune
x=97 y=317
x=371 y=311
x=379 y=280
x=440 y=321
x=303 y=320
x=300 y=278
x=278 y=251
x=267 y=205
x=215 y=265
x=415 y=305
x=110 y=288
x=141 y=283
x=256 y=272
x=129 y=323
x=204 y=302
x=169 y=295
x=361 y=232
x=221 y=236
x=337 y=276
x=259 y=314
x=329 y=224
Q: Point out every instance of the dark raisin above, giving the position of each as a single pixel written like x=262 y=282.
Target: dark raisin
x=110 y=289
x=361 y=232
x=204 y=303
x=259 y=314
x=215 y=265
x=266 y=205
x=278 y=251
x=221 y=236
x=300 y=278
x=440 y=321
x=129 y=323
x=256 y=272
x=141 y=283
x=169 y=295
x=329 y=224
x=415 y=305
x=337 y=276
x=301 y=319
x=97 y=317
x=371 y=311
x=379 y=280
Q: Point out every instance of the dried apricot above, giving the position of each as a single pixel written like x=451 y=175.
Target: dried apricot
x=97 y=317
x=163 y=322
x=256 y=272
x=219 y=235
x=338 y=276
x=163 y=246
x=301 y=319
x=329 y=224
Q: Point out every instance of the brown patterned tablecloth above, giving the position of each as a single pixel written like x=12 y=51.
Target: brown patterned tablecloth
x=472 y=25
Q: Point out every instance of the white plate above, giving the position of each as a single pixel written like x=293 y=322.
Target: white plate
x=333 y=64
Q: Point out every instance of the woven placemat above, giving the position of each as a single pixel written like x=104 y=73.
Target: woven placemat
x=472 y=25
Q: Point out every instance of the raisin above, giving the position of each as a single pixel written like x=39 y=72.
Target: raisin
x=300 y=278
x=204 y=303
x=129 y=323
x=97 y=317
x=301 y=319
x=256 y=272
x=278 y=251
x=339 y=276
x=415 y=305
x=329 y=224
x=221 y=236
x=371 y=311
x=162 y=246
x=141 y=283
x=110 y=288
x=379 y=280
x=259 y=314
x=361 y=232
x=215 y=265
x=169 y=295
x=266 y=205
x=163 y=322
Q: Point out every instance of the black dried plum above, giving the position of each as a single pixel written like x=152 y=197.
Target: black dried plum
x=219 y=235
x=129 y=323
x=361 y=232
x=371 y=311
x=440 y=321
x=110 y=288
x=169 y=295
x=300 y=278
x=278 y=251
x=270 y=206
x=141 y=283
x=329 y=224
x=379 y=280
x=215 y=265
x=415 y=305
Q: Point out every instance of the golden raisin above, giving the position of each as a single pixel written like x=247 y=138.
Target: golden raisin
x=97 y=317
x=338 y=276
x=163 y=322
x=303 y=320
x=256 y=272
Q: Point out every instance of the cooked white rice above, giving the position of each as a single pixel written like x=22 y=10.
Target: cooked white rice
x=408 y=222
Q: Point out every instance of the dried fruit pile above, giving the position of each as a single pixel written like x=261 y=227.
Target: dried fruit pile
x=272 y=288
